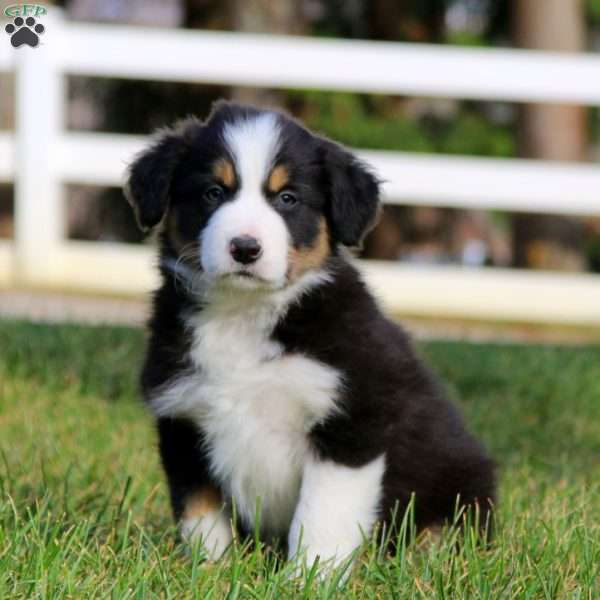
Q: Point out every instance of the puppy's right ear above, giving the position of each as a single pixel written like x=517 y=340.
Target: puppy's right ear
x=150 y=175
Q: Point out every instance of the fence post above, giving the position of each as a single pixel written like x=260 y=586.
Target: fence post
x=40 y=106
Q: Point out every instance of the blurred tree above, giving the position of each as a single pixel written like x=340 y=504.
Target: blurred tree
x=593 y=10
x=408 y=20
x=402 y=228
x=552 y=132
x=206 y=14
x=448 y=126
x=265 y=16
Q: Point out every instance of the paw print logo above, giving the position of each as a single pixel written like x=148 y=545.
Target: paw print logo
x=24 y=31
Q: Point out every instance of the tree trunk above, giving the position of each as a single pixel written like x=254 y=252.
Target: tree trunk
x=551 y=132
x=283 y=17
x=402 y=229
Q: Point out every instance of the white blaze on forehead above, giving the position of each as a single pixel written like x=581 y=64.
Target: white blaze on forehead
x=254 y=143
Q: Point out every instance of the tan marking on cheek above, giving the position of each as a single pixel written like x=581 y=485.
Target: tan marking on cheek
x=205 y=501
x=223 y=170
x=278 y=179
x=187 y=250
x=175 y=236
x=310 y=257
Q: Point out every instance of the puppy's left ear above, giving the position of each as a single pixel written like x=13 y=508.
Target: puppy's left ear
x=354 y=203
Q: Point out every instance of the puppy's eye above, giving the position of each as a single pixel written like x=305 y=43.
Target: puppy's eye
x=287 y=199
x=214 y=194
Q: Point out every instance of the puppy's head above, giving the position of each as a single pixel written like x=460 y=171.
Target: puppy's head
x=250 y=198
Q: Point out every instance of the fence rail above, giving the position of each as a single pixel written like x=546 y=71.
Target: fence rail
x=40 y=156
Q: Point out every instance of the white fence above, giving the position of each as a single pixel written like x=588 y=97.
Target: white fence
x=40 y=156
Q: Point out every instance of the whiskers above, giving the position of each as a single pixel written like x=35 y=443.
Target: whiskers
x=191 y=279
x=187 y=273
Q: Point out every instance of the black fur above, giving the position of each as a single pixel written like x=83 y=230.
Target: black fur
x=354 y=195
x=150 y=176
x=391 y=401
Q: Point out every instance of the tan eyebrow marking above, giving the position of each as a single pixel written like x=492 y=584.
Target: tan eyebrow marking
x=278 y=179
x=223 y=170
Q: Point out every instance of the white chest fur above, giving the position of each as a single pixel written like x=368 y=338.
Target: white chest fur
x=255 y=405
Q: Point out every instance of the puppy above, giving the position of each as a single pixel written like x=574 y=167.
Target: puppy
x=285 y=401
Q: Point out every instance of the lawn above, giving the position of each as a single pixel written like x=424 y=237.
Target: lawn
x=84 y=510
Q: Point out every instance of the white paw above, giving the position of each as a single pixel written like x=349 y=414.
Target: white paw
x=337 y=508
x=212 y=530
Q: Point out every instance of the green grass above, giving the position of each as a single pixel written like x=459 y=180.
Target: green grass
x=84 y=510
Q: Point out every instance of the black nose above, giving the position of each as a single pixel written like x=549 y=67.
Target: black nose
x=245 y=249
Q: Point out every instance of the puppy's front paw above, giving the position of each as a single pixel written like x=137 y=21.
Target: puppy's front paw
x=212 y=531
x=206 y=521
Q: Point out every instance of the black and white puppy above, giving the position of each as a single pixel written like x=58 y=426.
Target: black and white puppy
x=281 y=392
